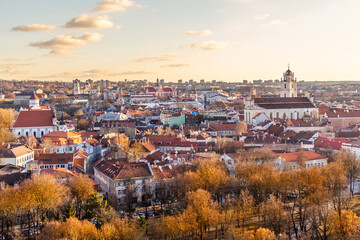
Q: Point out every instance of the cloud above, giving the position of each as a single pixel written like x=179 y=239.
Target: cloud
x=210 y=45
x=199 y=33
x=34 y=28
x=176 y=65
x=13 y=68
x=275 y=22
x=261 y=16
x=86 y=21
x=93 y=73
x=115 y=6
x=157 y=58
x=11 y=59
x=66 y=44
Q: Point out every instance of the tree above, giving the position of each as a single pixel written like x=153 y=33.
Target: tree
x=123 y=141
x=210 y=175
x=6 y=117
x=71 y=229
x=82 y=124
x=259 y=234
x=81 y=188
x=241 y=127
x=245 y=206
x=79 y=113
x=202 y=209
x=105 y=104
x=351 y=167
x=42 y=196
x=118 y=229
x=273 y=214
x=6 y=136
x=345 y=225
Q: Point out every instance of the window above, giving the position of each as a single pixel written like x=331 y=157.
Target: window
x=285 y=88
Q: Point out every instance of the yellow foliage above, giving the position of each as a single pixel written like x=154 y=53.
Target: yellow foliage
x=346 y=226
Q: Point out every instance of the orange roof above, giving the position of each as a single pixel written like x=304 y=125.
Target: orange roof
x=293 y=157
x=34 y=118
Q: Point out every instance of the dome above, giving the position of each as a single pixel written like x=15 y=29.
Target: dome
x=288 y=72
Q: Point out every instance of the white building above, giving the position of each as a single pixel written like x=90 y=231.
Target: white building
x=16 y=155
x=287 y=106
x=36 y=122
x=127 y=182
x=292 y=161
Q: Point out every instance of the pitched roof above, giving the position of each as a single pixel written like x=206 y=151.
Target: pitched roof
x=55 y=158
x=124 y=171
x=283 y=103
x=343 y=113
x=222 y=127
x=14 y=152
x=308 y=155
x=34 y=118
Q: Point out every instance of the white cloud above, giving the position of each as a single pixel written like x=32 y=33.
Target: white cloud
x=261 y=16
x=157 y=58
x=176 y=65
x=14 y=68
x=86 y=21
x=275 y=22
x=115 y=5
x=210 y=45
x=199 y=33
x=34 y=28
x=66 y=44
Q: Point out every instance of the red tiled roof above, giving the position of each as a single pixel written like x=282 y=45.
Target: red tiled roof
x=56 y=158
x=34 y=118
x=343 y=113
x=124 y=171
x=221 y=127
x=282 y=103
x=293 y=157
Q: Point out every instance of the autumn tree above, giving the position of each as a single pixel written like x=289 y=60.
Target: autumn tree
x=258 y=234
x=273 y=214
x=244 y=206
x=351 y=167
x=344 y=226
x=79 y=113
x=71 y=229
x=201 y=207
x=82 y=124
x=81 y=189
x=118 y=229
x=210 y=175
x=241 y=127
x=42 y=197
x=6 y=136
x=6 y=118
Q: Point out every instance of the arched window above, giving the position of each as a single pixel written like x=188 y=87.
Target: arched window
x=291 y=116
x=285 y=85
x=277 y=115
x=271 y=115
x=284 y=116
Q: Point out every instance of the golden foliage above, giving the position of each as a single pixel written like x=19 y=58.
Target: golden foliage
x=6 y=117
x=344 y=226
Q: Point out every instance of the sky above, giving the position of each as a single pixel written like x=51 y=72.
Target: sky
x=225 y=40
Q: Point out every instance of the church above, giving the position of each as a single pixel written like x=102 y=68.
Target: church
x=287 y=106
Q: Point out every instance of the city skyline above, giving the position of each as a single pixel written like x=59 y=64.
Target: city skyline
x=229 y=40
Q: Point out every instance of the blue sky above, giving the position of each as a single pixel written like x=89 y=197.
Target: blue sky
x=228 y=40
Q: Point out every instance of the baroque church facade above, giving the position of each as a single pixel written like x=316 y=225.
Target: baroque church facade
x=287 y=106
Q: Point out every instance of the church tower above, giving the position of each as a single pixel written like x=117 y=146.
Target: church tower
x=288 y=84
x=34 y=101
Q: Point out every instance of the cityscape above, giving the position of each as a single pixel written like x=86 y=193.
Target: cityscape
x=111 y=129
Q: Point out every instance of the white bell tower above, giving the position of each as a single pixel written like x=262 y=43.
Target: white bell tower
x=288 y=84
